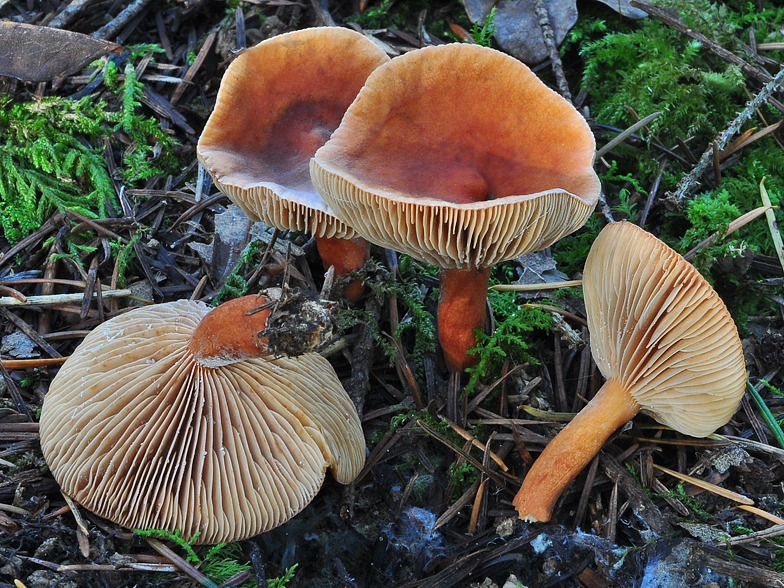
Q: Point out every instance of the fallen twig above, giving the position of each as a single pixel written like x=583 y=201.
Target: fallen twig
x=690 y=180
x=540 y=9
x=113 y=27
x=718 y=490
x=60 y=298
x=626 y=134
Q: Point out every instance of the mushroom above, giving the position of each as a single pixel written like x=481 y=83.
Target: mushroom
x=459 y=156
x=174 y=417
x=666 y=345
x=278 y=102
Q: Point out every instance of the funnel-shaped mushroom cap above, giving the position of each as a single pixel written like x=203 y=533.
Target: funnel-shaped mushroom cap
x=137 y=431
x=459 y=156
x=660 y=329
x=278 y=102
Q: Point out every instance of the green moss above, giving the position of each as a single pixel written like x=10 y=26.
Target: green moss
x=462 y=476
x=655 y=68
x=571 y=251
x=43 y=166
x=510 y=340
x=378 y=17
x=51 y=154
x=483 y=32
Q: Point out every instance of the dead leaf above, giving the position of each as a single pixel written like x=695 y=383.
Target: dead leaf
x=625 y=8
x=517 y=28
x=40 y=54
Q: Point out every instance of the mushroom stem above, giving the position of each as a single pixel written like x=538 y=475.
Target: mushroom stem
x=347 y=255
x=228 y=334
x=572 y=449
x=462 y=304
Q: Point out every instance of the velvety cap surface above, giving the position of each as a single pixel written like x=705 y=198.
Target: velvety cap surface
x=134 y=429
x=278 y=102
x=661 y=330
x=459 y=156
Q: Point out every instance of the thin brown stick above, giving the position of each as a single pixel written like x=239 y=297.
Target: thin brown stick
x=70 y=13
x=548 y=36
x=23 y=364
x=739 y=222
x=113 y=27
x=75 y=298
x=191 y=73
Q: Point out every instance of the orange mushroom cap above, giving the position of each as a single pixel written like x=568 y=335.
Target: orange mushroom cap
x=666 y=345
x=278 y=103
x=138 y=430
x=458 y=155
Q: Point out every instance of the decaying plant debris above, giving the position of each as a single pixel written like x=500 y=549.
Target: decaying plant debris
x=104 y=207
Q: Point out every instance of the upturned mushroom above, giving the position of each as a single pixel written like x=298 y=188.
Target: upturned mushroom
x=277 y=104
x=459 y=156
x=666 y=345
x=177 y=418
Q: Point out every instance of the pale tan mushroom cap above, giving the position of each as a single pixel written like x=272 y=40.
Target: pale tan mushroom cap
x=458 y=155
x=136 y=431
x=662 y=331
x=278 y=102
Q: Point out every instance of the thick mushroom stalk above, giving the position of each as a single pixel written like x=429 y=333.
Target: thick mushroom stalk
x=462 y=307
x=346 y=256
x=572 y=449
x=278 y=103
x=459 y=156
x=666 y=345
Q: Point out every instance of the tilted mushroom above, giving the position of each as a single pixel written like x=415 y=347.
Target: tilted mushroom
x=166 y=418
x=278 y=102
x=666 y=345
x=459 y=156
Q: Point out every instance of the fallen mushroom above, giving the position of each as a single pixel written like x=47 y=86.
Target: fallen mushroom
x=278 y=102
x=177 y=418
x=459 y=156
x=666 y=345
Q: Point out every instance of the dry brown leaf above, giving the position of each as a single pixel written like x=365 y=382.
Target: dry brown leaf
x=517 y=28
x=40 y=54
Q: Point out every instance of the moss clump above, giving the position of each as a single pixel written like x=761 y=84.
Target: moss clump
x=510 y=339
x=52 y=154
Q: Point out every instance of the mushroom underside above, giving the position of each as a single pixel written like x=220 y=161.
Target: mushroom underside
x=136 y=431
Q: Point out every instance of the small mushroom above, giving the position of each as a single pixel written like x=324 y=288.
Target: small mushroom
x=278 y=102
x=666 y=345
x=174 y=417
x=459 y=156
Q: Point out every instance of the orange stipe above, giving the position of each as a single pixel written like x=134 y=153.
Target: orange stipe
x=347 y=255
x=572 y=449
x=462 y=305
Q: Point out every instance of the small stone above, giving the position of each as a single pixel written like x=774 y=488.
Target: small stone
x=48 y=548
x=505 y=527
x=19 y=346
x=513 y=582
x=48 y=579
